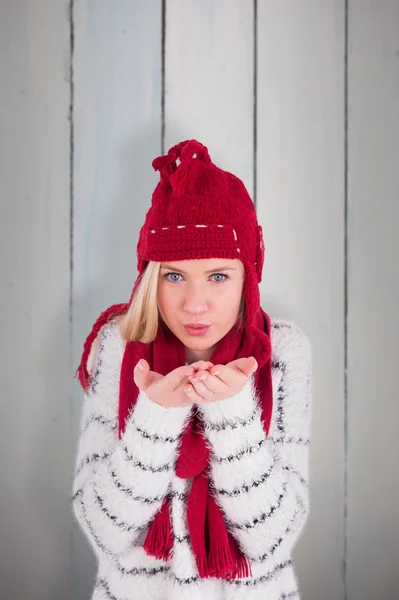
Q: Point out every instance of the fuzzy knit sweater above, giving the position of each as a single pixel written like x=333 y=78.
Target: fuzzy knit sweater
x=261 y=482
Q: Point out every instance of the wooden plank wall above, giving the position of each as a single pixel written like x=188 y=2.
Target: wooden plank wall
x=35 y=383
x=300 y=203
x=373 y=290
x=300 y=101
x=117 y=132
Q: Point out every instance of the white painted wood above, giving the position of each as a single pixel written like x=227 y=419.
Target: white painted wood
x=34 y=251
x=117 y=133
x=300 y=203
x=209 y=80
x=373 y=407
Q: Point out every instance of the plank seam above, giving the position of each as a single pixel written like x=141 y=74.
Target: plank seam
x=255 y=106
x=346 y=302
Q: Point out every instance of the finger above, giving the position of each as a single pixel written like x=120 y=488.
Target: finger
x=211 y=382
x=201 y=364
x=192 y=394
x=176 y=376
x=231 y=377
x=245 y=365
x=201 y=388
x=140 y=374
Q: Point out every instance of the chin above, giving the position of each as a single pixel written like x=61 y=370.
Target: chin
x=201 y=343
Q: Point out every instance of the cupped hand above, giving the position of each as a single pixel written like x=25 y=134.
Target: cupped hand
x=219 y=381
x=166 y=390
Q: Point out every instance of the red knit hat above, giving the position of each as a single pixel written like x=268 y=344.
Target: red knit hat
x=201 y=211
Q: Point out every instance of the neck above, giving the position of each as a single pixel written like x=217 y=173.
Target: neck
x=195 y=355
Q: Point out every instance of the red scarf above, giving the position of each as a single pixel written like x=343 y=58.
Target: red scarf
x=216 y=551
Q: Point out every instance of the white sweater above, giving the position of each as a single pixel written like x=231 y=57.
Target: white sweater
x=261 y=482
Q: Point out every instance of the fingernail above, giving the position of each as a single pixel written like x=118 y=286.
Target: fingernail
x=203 y=377
x=140 y=366
x=216 y=372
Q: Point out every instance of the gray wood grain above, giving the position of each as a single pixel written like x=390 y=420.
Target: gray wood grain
x=373 y=330
x=117 y=133
x=300 y=200
x=34 y=250
x=209 y=80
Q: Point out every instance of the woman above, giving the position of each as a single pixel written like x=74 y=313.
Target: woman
x=192 y=465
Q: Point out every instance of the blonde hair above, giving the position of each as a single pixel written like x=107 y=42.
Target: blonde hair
x=140 y=323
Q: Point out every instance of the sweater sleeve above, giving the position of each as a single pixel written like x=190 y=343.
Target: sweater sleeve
x=119 y=484
x=261 y=482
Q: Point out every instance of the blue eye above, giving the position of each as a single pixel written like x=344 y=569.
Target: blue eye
x=172 y=280
x=220 y=275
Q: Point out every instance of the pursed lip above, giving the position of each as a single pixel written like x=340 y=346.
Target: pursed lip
x=197 y=325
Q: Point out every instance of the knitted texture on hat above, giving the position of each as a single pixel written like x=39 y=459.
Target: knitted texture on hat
x=197 y=211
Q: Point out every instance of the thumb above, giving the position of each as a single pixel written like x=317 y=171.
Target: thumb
x=246 y=365
x=141 y=374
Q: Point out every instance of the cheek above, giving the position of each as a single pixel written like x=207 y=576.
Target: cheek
x=166 y=301
x=229 y=302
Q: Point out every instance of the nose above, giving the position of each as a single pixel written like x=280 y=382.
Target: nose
x=195 y=302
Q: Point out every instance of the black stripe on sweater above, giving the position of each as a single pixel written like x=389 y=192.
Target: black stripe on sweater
x=93 y=533
x=245 y=488
x=264 y=516
x=89 y=460
x=103 y=585
x=122 y=525
x=295 y=472
x=112 y=423
x=232 y=424
x=262 y=578
x=291 y=440
x=95 y=376
x=127 y=491
x=280 y=411
x=253 y=582
x=144 y=467
x=279 y=365
x=250 y=450
x=292 y=526
x=154 y=437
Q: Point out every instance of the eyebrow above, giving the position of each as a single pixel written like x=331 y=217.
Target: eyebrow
x=171 y=268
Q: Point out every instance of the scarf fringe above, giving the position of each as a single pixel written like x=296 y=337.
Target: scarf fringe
x=223 y=566
x=221 y=562
x=242 y=568
x=159 y=540
x=202 y=566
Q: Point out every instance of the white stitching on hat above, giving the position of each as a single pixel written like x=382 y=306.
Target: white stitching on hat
x=163 y=228
x=152 y=230
x=201 y=225
x=181 y=226
x=220 y=225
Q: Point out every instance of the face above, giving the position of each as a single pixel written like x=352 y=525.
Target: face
x=204 y=294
